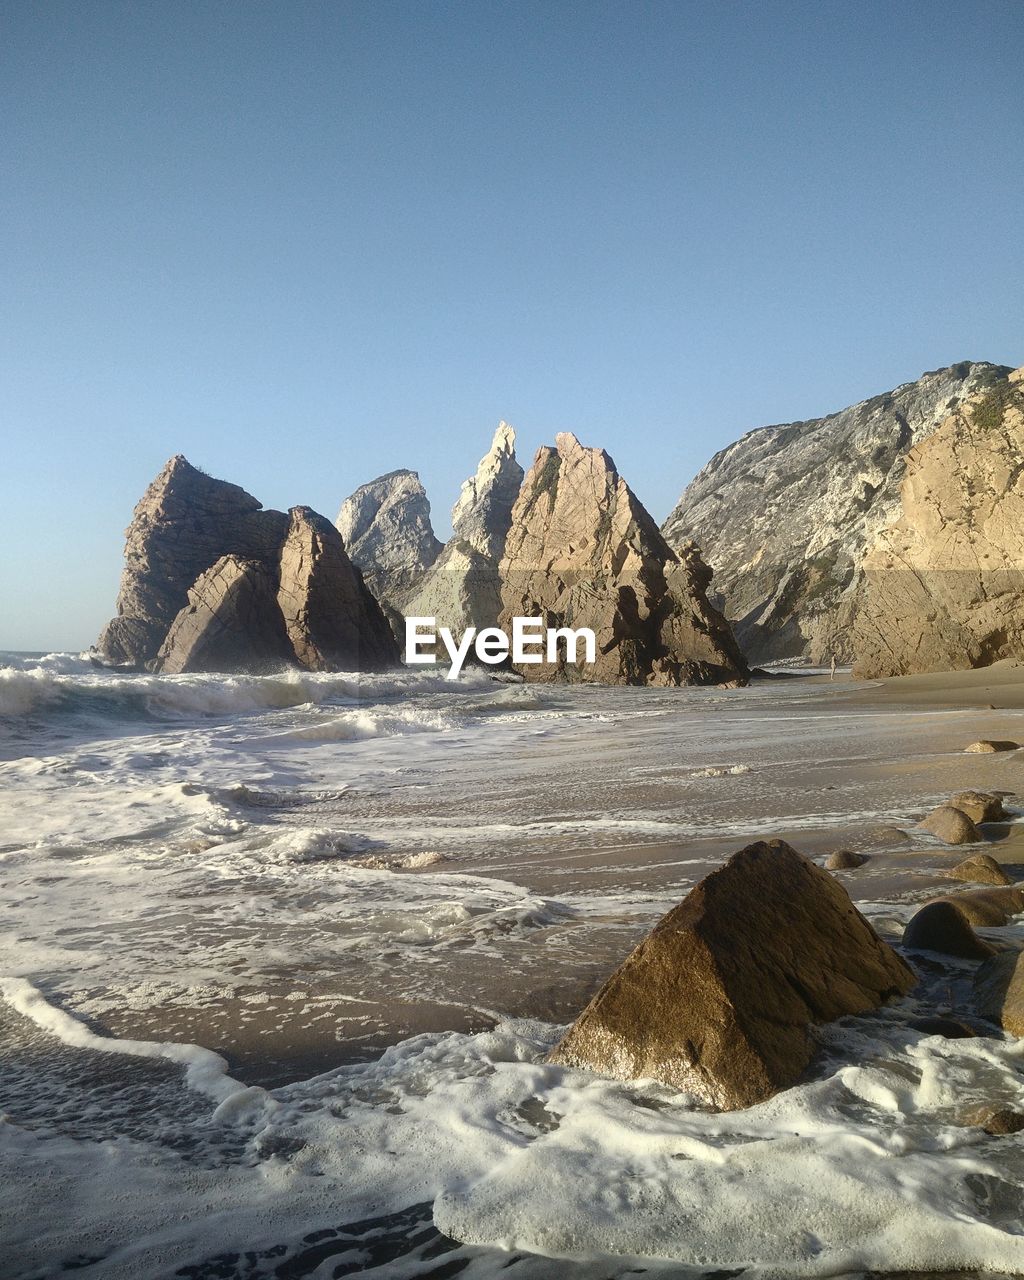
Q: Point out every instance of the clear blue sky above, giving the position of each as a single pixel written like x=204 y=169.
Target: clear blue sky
x=305 y=242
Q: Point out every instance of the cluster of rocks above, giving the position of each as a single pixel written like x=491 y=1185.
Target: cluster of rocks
x=722 y=997
x=212 y=582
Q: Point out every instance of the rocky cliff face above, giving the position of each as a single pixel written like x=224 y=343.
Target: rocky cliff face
x=388 y=535
x=462 y=588
x=583 y=552
x=214 y=583
x=785 y=514
x=943 y=585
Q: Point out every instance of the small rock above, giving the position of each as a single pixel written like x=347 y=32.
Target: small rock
x=943 y=928
x=980 y=806
x=1004 y=1121
x=951 y=1028
x=980 y=868
x=844 y=860
x=950 y=825
x=999 y=991
x=986 y=746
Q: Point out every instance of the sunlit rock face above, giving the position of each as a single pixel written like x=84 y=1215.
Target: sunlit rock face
x=785 y=514
x=583 y=552
x=388 y=535
x=943 y=585
x=462 y=589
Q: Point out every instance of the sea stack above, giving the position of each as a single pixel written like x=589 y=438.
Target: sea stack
x=583 y=552
x=388 y=535
x=462 y=588
x=212 y=582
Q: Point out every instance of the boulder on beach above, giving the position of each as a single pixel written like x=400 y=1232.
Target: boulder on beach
x=719 y=999
x=1002 y=1122
x=230 y=623
x=980 y=806
x=582 y=551
x=844 y=860
x=980 y=868
x=941 y=927
x=990 y=908
x=999 y=991
x=951 y=826
x=986 y=746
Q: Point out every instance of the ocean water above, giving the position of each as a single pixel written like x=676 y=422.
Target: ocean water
x=282 y=959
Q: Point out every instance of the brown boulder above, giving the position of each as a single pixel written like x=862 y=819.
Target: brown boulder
x=999 y=991
x=332 y=620
x=231 y=623
x=980 y=806
x=583 y=552
x=844 y=860
x=989 y=908
x=986 y=746
x=942 y=927
x=952 y=826
x=980 y=868
x=720 y=997
x=1003 y=1122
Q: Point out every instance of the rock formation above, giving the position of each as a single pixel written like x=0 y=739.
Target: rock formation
x=387 y=532
x=784 y=515
x=999 y=991
x=943 y=928
x=720 y=997
x=583 y=552
x=231 y=623
x=214 y=583
x=332 y=620
x=980 y=868
x=183 y=524
x=462 y=588
x=944 y=584
x=950 y=825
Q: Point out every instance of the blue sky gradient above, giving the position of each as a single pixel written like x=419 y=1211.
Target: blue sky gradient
x=305 y=243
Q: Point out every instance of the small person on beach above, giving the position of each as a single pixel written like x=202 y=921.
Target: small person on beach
x=832 y=668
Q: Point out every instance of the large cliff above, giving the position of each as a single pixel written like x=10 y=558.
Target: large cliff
x=943 y=586
x=786 y=513
x=583 y=552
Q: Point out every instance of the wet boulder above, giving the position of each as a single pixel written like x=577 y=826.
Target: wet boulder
x=844 y=860
x=980 y=868
x=990 y=908
x=720 y=998
x=999 y=991
x=986 y=746
x=951 y=826
x=941 y=927
x=980 y=806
